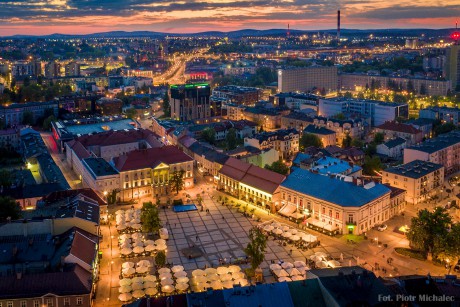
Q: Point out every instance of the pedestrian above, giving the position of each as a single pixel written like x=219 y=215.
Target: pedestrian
x=223 y=217
x=174 y=225
x=196 y=238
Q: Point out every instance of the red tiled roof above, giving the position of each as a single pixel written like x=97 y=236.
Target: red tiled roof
x=83 y=247
x=119 y=137
x=399 y=127
x=76 y=281
x=254 y=176
x=79 y=149
x=64 y=194
x=148 y=158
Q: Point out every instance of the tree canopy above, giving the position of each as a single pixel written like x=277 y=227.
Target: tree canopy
x=209 y=135
x=150 y=218
x=177 y=180
x=9 y=208
x=278 y=167
x=309 y=139
x=231 y=139
x=256 y=247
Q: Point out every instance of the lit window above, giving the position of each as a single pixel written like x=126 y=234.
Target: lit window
x=79 y=300
x=23 y=304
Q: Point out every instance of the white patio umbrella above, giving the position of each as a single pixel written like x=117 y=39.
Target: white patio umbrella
x=149 y=284
x=321 y=264
x=124 y=297
x=125 y=289
x=269 y=228
x=126 y=251
x=165 y=275
x=228 y=284
x=160 y=242
x=297 y=277
x=198 y=272
x=216 y=285
x=295 y=238
x=142 y=269
x=167 y=288
x=287 y=234
x=118 y=212
x=333 y=263
x=212 y=277
x=138 y=250
x=136 y=236
x=138 y=243
x=281 y=273
x=315 y=258
x=137 y=286
x=121 y=227
x=210 y=271
x=225 y=277
x=164 y=270
x=293 y=231
x=182 y=280
x=127 y=264
x=128 y=271
x=136 y=226
x=282 y=279
x=180 y=274
x=144 y=263
x=199 y=279
x=167 y=281
x=234 y=269
x=276 y=224
x=286 y=265
x=124 y=236
x=177 y=268
x=238 y=275
x=299 y=264
x=321 y=254
x=125 y=282
x=277 y=231
x=137 y=279
x=161 y=247
x=222 y=270
x=150 y=248
x=182 y=286
x=136 y=220
x=152 y=278
x=242 y=282
x=149 y=242
x=138 y=293
x=293 y=271
x=285 y=228
x=151 y=291
x=275 y=266
x=125 y=244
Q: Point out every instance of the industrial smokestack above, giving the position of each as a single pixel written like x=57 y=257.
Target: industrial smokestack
x=338 y=25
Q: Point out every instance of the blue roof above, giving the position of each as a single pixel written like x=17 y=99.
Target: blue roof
x=318 y=130
x=331 y=165
x=333 y=190
x=394 y=142
x=300 y=157
x=98 y=127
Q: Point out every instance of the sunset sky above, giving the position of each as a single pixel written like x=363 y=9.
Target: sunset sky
x=89 y=16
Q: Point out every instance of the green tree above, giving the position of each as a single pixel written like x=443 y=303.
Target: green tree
x=449 y=245
x=131 y=113
x=150 y=217
x=231 y=139
x=5 y=178
x=371 y=149
x=256 y=247
x=428 y=228
x=357 y=143
x=166 y=105
x=177 y=180
x=28 y=118
x=209 y=135
x=371 y=165
x=444 y=128
x=278 y=167
x=9 y=208
x=309 y=139
x=112 y=197
x=160 y=259
x=379 y=137
x=347 y=141
x=47 y=122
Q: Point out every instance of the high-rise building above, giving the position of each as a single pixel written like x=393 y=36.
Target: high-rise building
x=23 y=69
x=72 y=69
x=321 y=79
x=52 y=69
x=453 y=66
x=190 y=101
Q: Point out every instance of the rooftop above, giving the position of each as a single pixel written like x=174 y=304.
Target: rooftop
x=339 y=191
x=399 y=127
x=318 y=130
x=415 y=169
x=440 y=142
x=252 y=175
x=82 y=127
x=99 y=167
x=150 y=158
x=394 y=142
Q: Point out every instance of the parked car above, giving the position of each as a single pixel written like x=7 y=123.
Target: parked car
x=382 y=227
